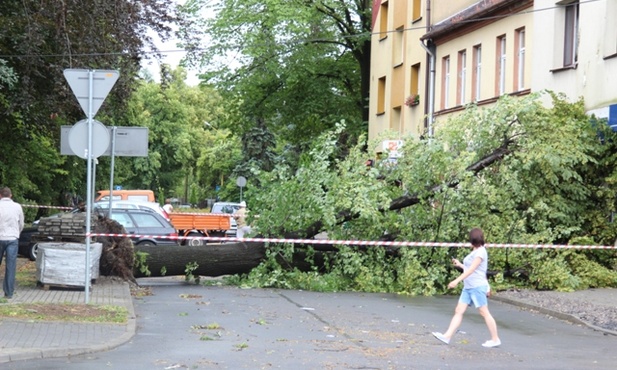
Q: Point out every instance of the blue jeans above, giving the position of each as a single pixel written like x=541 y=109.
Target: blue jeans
x=477 y=296
x=10 y=246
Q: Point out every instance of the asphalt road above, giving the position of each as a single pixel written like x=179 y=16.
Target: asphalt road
x=184 y=326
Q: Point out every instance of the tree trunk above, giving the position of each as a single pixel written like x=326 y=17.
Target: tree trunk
x=211 y=259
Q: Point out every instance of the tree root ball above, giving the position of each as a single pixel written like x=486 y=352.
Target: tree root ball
x=118 y=255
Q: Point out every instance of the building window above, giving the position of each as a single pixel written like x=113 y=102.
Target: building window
x=462 y=77
x=383 y=21
x=477 y=72
x=500 y=75
x=445 y=82
x=381 y=95
x=416 y=10
x=519 y=62
x=610 y=35
x=395 y=122
x=398 y=47
x=570 y=47
x=414 y=87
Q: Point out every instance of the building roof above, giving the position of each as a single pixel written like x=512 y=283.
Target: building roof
x=475 y=16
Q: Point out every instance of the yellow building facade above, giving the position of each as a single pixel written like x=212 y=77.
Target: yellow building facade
x=430 y=58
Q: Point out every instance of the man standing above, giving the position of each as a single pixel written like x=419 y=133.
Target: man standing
x=240 y=216
x=168 y=207
x=11 y=225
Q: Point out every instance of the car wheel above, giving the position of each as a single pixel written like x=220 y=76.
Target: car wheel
x=146 y=244
x=195 y=242
x=33 y=250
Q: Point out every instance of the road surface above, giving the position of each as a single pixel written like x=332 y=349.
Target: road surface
x=187 y=326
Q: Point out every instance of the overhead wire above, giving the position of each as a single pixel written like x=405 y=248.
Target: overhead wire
x=359 y=35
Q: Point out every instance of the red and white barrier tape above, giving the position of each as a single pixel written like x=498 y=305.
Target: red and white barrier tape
x=357 y=242
x=38 y=206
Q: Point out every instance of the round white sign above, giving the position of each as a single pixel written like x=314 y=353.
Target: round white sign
x=241 y=181
x=78 y=138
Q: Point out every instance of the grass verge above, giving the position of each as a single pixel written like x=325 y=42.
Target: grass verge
x=64 y=312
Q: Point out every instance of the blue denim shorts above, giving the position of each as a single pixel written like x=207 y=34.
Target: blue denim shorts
x=477 y=296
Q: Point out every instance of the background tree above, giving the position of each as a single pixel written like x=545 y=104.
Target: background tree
x=38 y=40
x=296 y=66
x=180 y=137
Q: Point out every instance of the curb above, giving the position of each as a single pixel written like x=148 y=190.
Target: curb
x=131 y=327
x=558 y=315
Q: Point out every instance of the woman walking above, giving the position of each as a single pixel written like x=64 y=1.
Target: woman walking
x=475 y=290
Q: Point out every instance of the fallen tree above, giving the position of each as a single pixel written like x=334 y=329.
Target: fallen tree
x=238 y=258
x=208 y=260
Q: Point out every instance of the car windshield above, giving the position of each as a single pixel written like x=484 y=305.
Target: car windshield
x=225 y=208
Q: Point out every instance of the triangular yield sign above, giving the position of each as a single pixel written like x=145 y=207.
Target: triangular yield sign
x=102 y=83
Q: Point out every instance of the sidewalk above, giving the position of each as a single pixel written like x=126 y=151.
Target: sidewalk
x=22 y=340
x=595 y=308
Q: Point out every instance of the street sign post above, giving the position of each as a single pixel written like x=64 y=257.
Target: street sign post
x=241 y=182
x=90 y=88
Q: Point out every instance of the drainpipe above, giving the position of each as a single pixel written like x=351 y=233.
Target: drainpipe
x=430 y=50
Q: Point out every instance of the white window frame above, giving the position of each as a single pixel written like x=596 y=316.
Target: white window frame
x=520 y=73
x=478 y=70
x=570 y=39
x=446 y=83
x=502 y=65
x=463 y=78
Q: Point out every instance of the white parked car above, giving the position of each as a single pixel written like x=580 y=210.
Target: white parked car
x=132 y=204
x=229 y=208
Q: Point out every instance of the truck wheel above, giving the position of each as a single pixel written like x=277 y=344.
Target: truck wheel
x=195 y=242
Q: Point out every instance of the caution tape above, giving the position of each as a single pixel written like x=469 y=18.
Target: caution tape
x=355 y=242
x=39 y=206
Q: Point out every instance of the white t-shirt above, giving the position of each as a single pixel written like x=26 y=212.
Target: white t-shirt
x=11 y=219
x=478 y=277
x=168 y=208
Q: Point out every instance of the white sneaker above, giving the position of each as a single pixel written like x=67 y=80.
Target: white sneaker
x=491 y=344
x=441 y=337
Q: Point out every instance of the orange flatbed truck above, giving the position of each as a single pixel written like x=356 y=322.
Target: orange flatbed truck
x=199 y=225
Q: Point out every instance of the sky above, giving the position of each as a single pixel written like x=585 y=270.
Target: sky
x=172 y=56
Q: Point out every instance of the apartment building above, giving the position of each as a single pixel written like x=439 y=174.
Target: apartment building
x=451 y=53
x=398 y=69
x=576 y=42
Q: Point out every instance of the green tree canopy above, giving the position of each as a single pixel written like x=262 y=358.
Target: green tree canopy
x=298 y=66
x=186 y=153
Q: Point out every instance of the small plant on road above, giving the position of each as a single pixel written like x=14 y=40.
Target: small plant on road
x=261 y=322
x=241 y=346
x=212 y=326
x=188 y=272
